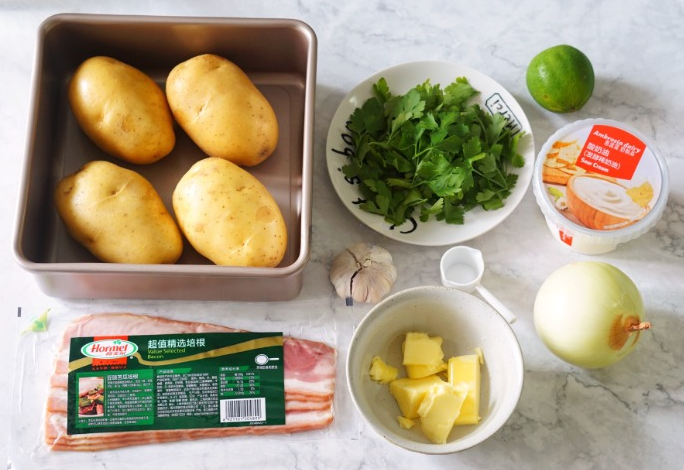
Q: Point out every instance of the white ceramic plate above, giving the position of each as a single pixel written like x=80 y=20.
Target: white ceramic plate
x=400 y=79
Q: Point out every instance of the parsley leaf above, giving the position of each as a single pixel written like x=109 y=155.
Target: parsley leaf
x=429 y=150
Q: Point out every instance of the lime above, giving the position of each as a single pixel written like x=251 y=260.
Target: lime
x=560 y=79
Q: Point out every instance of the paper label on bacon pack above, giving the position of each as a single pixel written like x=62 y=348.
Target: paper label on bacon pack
x=175 y=381
x=611 y=151
x=111 y=352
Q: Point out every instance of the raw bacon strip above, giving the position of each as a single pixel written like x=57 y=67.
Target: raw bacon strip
x=295 y=405
x=309 y=385
x=55 y=428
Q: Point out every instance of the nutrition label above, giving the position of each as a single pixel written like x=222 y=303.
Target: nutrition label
x=239 y=382
x=186 y=394
x=218 y=379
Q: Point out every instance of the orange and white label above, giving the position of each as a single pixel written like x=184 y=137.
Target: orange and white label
x=611 y=151
x=564 y=237
x=118 y=363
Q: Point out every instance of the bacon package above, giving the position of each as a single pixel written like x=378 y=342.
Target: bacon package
x=151 y=388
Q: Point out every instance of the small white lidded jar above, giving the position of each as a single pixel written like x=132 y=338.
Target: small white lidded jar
x=599 y=183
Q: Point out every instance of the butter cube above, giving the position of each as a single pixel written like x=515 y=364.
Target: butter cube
x=382 y=372
x=423 y=350
x=439 y=410
x=480 y=354
x=418 y=371
x=409 y=393
x=405 y=422
x=464 y=371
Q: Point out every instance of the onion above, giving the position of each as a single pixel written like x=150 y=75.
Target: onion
x=589 y=314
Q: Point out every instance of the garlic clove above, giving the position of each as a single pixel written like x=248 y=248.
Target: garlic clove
x=364 y=273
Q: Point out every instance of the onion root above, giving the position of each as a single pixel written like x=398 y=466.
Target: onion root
x=644 y=325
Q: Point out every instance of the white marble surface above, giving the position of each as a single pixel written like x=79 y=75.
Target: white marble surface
x=628 y=416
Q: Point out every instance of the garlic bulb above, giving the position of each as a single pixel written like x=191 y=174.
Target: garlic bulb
x=364 y=273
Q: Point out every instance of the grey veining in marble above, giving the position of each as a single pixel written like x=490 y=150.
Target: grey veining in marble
x=628 y=416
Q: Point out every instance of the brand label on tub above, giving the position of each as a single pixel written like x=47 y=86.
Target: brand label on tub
x=611 y=151
x=601 y=177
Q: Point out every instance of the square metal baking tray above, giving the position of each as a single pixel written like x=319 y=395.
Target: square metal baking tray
x=279 y=55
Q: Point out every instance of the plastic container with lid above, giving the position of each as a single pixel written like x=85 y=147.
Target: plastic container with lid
x=599 y=183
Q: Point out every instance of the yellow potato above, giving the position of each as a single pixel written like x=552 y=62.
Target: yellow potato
x=122 y=110
x=221 y=110
x=117 y=215
x=228 y=216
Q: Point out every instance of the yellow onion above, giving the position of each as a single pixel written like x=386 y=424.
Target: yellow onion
x=589 y=314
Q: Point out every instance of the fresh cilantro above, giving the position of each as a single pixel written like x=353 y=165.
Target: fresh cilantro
x=428 y=150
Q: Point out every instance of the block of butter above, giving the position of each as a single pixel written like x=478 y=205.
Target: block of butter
x=440 y=409
x=416 y=371
x=405 y=422
x=438 y=394
x=409 y=393
x=422 y=350
x=464 y=371
x=382 y=372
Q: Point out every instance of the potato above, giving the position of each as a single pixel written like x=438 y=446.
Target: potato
x=117 y=215
x=228 y=216
x=122 y=110
x=221 y=110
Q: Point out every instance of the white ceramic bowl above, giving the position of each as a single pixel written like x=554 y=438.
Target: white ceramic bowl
x=464 y=322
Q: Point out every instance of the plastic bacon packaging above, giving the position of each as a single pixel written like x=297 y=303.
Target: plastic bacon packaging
x=124 y=379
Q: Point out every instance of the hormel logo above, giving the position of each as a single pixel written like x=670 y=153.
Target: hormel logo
x=109 y=349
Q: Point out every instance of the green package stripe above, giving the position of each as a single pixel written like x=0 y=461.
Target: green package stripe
x=225 y=351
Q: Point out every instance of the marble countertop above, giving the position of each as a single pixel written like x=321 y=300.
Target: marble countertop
x=627 y=416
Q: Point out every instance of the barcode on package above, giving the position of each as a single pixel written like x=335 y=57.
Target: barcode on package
x=240 y=410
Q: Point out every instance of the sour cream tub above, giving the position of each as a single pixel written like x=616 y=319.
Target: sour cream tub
x=599 y=183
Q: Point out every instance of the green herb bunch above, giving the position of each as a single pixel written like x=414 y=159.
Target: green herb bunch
x=428 y=150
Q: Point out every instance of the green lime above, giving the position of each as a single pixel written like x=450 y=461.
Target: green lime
x=561 y=79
